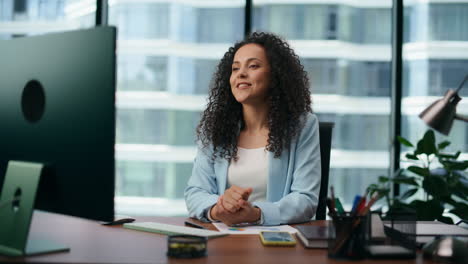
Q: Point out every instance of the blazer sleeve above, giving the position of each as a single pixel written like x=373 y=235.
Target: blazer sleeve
x=201 y=192
x=300 y=204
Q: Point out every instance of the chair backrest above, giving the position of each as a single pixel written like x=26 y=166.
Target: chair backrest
x=325 y=132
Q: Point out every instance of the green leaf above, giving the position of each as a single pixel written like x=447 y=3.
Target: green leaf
x=461 y=187
x=411 y=156
x=404 y=141
x=405 y=180
x=443 y=144
x=445 y=219
x=461 y=210
x=408 y=193
x=427 y=210
x=399 y=210
x=383 y=192
x=419 y=171
x=372 y=188
x=449 y=156
x=436 y=186
x=398 y=207
x=458 y=165
x=427 y=144
x=383 y=179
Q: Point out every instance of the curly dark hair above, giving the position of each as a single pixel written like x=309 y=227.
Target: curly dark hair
x=288 y=97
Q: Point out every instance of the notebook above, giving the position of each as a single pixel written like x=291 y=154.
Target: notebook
x=313 y=236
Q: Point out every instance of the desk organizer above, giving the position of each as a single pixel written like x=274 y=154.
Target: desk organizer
x=351 y=238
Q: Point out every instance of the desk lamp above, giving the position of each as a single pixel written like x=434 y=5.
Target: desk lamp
x=441 y=113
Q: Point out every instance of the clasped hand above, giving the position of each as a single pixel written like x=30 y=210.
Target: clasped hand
x=233 y=207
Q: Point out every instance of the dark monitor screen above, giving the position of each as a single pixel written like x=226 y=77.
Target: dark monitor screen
x=57 y=107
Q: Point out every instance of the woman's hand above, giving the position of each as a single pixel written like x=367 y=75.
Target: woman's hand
x=235 y=197
x=246 y=214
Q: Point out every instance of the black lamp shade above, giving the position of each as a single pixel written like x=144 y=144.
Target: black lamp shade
x=440 y=114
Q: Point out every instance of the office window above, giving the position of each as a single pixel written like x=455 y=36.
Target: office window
x=376 y=23
x=361 y=132
x=142 y=73
x=130 y=122
x=447 y=21
x=141 y=21
x=196 y=72
x=167 y=52
x=31 y=17
x=297 y=21
x=219 y=25
x=346 y=50
x=365 y=25
x=166 y=180
x=433 y=77
x=446 y=74
x=347 y=185
x=323 y=75
x=435 y=60
x=368 y=78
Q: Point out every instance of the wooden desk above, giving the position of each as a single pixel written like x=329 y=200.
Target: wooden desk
x=91 y=242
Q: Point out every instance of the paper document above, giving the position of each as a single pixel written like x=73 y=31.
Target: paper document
x=253 y=230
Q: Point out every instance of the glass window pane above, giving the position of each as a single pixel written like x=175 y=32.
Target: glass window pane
x=346 y=50
x=31 y=17
x=435 y=60
x=167 y=53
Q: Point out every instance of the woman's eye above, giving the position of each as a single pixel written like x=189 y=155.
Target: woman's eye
x=235 y=69
x=254 y=66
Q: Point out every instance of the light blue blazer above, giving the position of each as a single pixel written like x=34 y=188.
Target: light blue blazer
x=293 y=180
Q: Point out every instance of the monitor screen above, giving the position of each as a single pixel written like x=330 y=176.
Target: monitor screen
x=57 y=107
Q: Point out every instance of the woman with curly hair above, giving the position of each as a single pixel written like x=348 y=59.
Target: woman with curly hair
x=258 y=160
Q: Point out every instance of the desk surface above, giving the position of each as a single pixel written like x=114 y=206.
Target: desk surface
x=91 y=242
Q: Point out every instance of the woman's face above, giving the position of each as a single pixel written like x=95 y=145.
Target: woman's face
x=250 y=75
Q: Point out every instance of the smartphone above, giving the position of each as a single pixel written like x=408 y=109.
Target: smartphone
x=272 y=238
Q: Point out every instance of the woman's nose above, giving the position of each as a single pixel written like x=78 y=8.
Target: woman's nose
x=242 y=73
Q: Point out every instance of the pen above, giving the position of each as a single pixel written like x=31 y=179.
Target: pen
x=339 y=207
x=369 y=205
x=194 y=225
x=332 y=191
x=356 y=201
x=331 y=209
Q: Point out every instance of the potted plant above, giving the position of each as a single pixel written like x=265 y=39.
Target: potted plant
x=440 y=176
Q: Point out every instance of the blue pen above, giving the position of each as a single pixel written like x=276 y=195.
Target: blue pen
x=357 y=198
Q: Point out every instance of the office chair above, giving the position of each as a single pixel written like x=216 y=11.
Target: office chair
x=325 y=132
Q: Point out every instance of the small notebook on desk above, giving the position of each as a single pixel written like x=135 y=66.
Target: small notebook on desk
x=313 y=236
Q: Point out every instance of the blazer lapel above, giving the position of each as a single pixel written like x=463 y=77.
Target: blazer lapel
x=221 y=168
x=277 y=170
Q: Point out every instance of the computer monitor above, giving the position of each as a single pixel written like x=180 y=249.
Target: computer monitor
x=57 y=109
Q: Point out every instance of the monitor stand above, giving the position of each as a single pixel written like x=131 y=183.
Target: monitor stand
x=16 y=210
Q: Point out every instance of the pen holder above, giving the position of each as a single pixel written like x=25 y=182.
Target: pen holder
x=347 y=237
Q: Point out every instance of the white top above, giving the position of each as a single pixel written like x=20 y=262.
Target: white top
x=250 y=170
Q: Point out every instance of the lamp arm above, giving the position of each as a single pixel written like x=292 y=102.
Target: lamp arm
x=462 y=118
x=461 y=85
